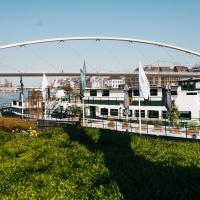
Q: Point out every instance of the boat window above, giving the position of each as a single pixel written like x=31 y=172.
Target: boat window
x=185 y=115
x=93 y=93
x=184 y=85
x=14 y=103
x=164 y=114
x=104 y=111
x=136 y=93
x=105 y=93
x=191 y=85
x=153 y=114
x=130 y=93
x=191 y=93
x=142 y=112
x=114 y=112
x=153 y=92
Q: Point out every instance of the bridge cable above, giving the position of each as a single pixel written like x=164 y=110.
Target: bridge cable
x=143 y=55
x=43 y=59
x=7 y=64
x=78 y=54
x=115 y=58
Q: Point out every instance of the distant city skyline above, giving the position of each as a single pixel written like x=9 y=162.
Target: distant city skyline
x=172 y=22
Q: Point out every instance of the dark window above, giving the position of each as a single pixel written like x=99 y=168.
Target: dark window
x=184 y=86
x=136 y=113
x=191 y=85
x=105 y=93
x=130 y=113
x=93 y=93
x=130 y=93
x=164 y=114
x=153 y=92
x=20 y=103
x=15 y=103
x=142 y=113
x=191 y=93
x=114 y=112
x=136 y=93
x=185 y=115
x=104 y=111
x=153 y=114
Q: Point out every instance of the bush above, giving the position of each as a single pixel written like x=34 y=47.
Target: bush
x=158 y=122
x=10 y=123
x=192 y=125
x=87 y=163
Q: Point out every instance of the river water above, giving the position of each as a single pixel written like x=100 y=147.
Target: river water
x=7 y=97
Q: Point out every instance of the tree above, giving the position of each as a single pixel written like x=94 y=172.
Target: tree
x=76 y=111
x=68 y=90
x=174 y=116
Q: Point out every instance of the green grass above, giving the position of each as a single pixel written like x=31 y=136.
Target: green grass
x=76 y=163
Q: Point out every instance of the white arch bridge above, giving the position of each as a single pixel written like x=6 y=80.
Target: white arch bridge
x=96 y=38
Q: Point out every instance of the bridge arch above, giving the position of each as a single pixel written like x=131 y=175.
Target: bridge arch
x=99 y=38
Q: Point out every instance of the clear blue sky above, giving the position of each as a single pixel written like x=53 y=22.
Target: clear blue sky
x=170 y=21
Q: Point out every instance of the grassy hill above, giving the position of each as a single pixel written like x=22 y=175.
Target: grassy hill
x=77 y=163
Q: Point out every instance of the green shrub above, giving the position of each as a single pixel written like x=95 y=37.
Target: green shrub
x=192 y=125
x=86 y=163
x=158 y=122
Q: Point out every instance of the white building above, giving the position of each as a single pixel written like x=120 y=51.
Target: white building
x=114 y=82
x=96 y=82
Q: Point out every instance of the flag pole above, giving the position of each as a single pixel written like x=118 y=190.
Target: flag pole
x=139 y=117
x=44 y=110
x=22 y=100
x=144 y=90
x=22 y=94
x=82 y=88
x=43 y=89
x=83 y=111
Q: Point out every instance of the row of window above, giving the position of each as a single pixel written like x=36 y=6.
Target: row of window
x=105 y=93
x=15 y=103
x=151 y=113
x=190 y=85
x=153 y=92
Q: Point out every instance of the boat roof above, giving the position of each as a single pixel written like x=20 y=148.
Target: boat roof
x=189 y=79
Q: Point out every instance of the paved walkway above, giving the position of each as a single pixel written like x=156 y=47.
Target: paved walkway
x=150 y=129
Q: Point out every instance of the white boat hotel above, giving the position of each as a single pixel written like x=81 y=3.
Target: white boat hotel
x=108 y=103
